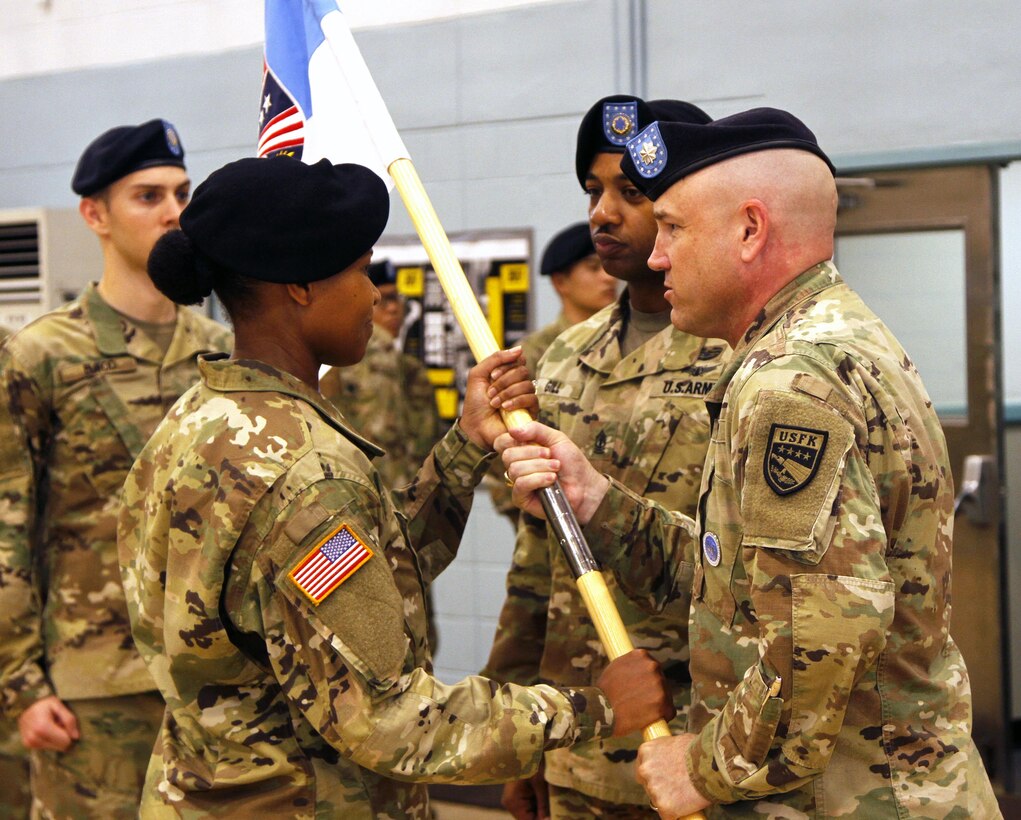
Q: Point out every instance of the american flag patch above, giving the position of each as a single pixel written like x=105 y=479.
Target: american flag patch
x=330 y=563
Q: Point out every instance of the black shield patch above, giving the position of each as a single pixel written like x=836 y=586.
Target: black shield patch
x=793 y=455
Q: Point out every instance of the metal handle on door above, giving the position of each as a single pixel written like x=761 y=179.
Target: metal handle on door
x=979 y=491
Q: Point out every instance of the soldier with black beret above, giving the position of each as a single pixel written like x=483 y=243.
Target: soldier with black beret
x=629 y=389
x=81 y=389
x=275 y=584
x=825 y=682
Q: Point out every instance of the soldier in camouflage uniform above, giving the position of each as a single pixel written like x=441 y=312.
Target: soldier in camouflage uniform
x=83 y=387
x=576 y=273
x=15 y=795
x=387 y=396
x=629 y=389
x=275 y=586
x=825 y=680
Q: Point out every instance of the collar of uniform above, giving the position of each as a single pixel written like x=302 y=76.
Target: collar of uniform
x=812 y=281
x=107 y=326
x=227 y=375
x=602 y=352
x=190 y=338
x=670 y=349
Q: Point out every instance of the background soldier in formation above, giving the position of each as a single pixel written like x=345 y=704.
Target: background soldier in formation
x=387 y=396
x=306 y=692
x=576 y=273
x=81 y=390
x=825 y=682
x=629 y=389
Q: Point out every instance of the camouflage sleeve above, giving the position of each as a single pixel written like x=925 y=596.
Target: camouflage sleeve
x=521 y=631
x=821 y=593
x=24 y=439
x=347 y=665
x=437 y=502
x=644 y=545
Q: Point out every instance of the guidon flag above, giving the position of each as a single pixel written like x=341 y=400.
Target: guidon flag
x=318 y=98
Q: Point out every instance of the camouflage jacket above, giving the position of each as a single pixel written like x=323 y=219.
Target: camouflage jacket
x=278 y=705
x=387 y=397
x=642 y=419
x=825 y=681
x=81 y=393
x=532 y=346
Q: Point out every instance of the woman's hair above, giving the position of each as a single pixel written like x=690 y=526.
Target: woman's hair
x=186 y=277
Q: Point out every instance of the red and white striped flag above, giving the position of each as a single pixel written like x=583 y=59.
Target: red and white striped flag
x=330 y=563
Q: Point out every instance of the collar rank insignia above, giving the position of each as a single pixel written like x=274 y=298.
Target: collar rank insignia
x=330 y=563
x=648 y=152
x=620 y=119
x=793 y=455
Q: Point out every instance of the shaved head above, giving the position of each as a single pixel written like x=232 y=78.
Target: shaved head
x=796 y=188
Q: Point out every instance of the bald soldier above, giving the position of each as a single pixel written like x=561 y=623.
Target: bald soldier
x=81 y=389
x=825 y=682
x=629 y=389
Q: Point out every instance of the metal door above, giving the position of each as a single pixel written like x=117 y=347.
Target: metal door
x=919 y=246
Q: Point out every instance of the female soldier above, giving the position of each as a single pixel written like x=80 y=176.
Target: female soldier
x=275 y=585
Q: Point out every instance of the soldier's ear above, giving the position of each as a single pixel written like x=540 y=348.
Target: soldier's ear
x=300 y=293
x=754 y=223
x=96 y=214
x=559 y=282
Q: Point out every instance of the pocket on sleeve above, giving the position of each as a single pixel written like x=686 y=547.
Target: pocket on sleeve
x=749 y=720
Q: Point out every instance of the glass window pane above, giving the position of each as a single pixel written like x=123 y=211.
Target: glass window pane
x=914 y=281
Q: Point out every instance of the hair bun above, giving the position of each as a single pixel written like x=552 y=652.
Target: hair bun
x=178 y=271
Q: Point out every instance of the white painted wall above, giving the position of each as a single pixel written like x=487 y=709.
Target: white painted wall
x=45 y=36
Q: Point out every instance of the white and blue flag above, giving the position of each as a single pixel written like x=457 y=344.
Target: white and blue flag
x=318 y=98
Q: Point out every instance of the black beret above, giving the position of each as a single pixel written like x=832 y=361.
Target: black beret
x=280 y=220
x=668 y=151
x=569 y=246
x=612 y=121
x=382 y=273
x=124 y=150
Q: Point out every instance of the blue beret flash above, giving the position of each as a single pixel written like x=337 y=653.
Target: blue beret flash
x=619 y=121
x=648 y=152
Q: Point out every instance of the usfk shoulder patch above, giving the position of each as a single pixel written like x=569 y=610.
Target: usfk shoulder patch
x=330 y=563
x=792 y=457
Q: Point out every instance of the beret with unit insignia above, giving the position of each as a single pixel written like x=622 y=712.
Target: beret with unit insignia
x=665 y=152
x=123 y=150
x=612 y=121
x=569 y=246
